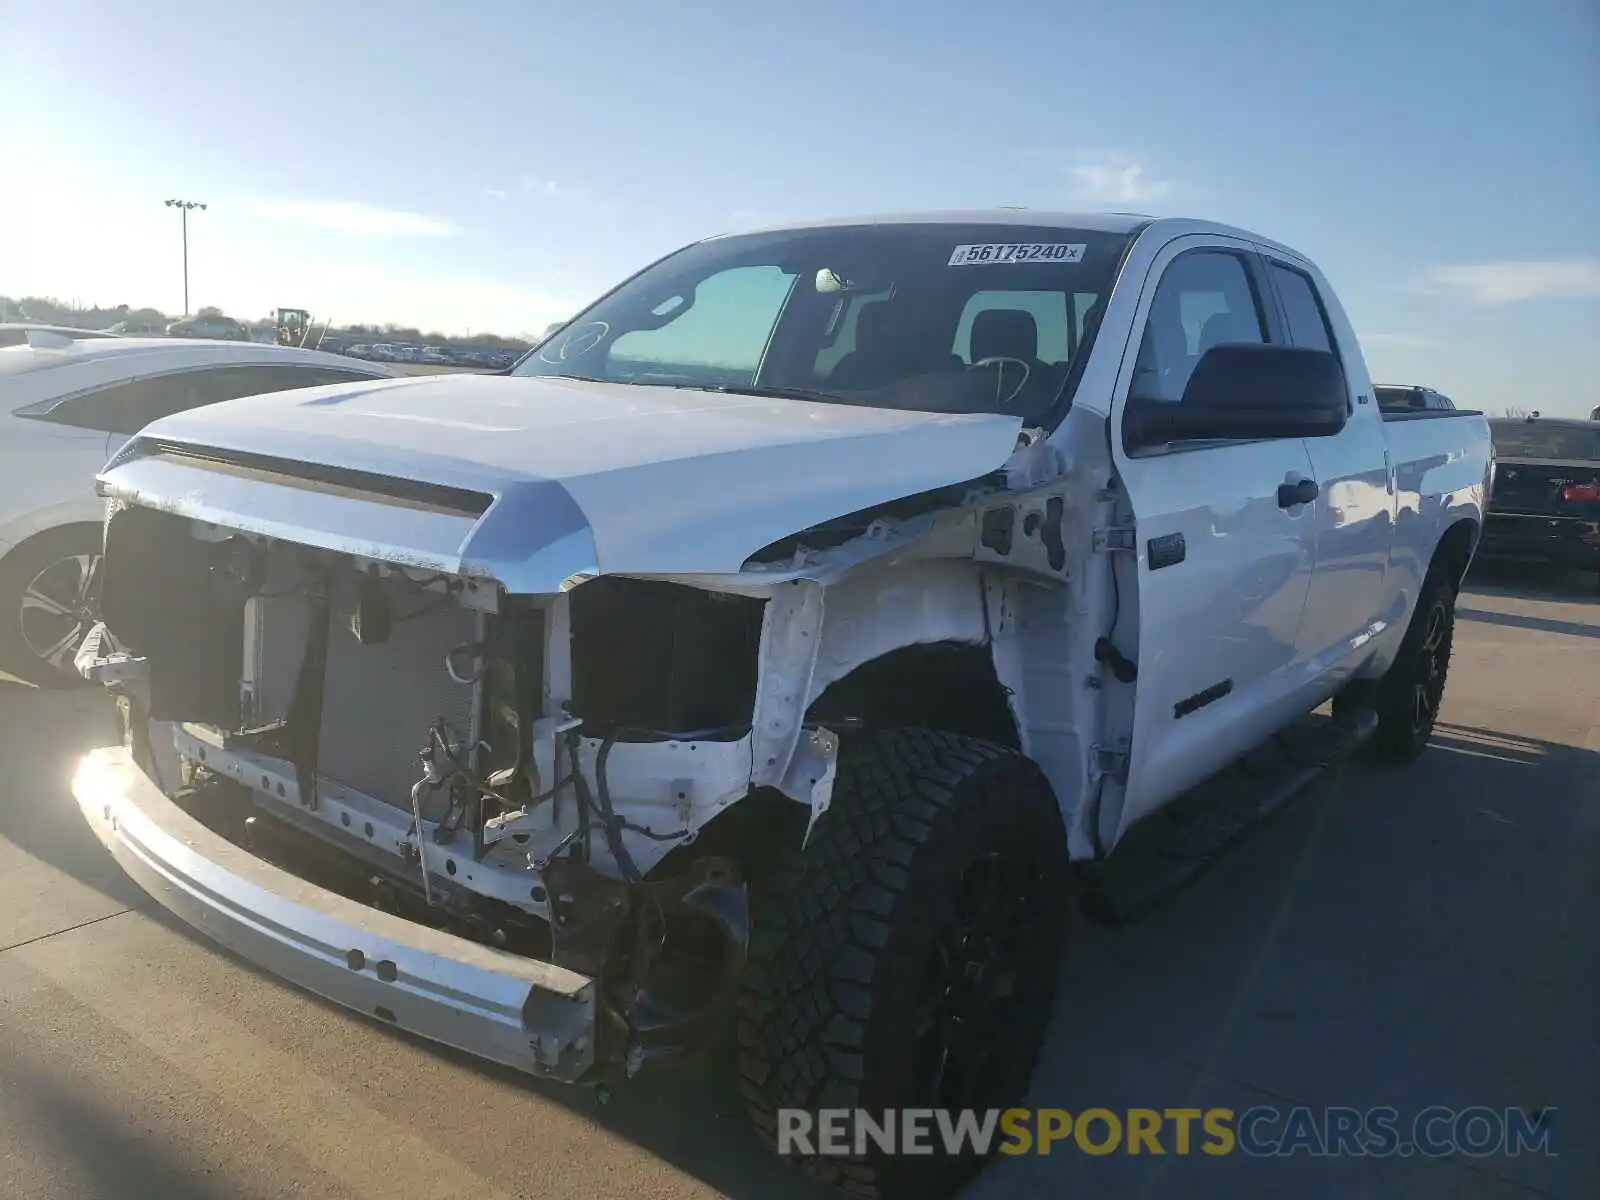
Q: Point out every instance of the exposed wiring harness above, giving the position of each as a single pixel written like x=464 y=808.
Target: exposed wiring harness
x=591 y=804
x=613 y=825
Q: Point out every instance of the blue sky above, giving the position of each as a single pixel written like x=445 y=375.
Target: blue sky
x=494 y=164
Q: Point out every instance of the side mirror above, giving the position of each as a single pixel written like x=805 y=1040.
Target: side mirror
x=1246 y=391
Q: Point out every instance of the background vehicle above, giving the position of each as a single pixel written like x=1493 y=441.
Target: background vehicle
x=64 y=407
x=215 y=326
x=1545 y=505
x=291 y=326
x=1406 y=398
x=779 y=633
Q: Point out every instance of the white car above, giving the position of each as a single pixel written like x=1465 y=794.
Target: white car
x=17 y=333
x=65 y=404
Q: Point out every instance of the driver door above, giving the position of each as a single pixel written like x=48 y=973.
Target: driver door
x=1223 y=568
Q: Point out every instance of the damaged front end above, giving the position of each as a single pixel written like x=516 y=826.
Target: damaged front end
x=505 y=822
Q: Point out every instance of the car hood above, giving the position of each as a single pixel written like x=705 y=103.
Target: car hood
x=571 y=476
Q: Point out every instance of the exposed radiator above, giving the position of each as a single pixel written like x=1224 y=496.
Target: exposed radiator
x=378 y=701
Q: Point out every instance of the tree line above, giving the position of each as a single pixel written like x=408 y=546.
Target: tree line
x=45 y=310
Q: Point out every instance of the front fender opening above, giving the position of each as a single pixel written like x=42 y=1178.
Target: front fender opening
x=940 y=685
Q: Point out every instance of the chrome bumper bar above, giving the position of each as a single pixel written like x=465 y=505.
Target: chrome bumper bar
x=531 y=1015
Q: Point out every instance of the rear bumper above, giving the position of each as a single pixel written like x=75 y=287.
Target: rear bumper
x=531 y=1015
x=1570 y=541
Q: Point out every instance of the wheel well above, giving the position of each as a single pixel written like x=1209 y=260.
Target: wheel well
x=88 y=529
x=951 y=686
x=1454 y=551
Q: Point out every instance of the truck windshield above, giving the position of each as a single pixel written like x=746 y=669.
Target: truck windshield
x=941 y=317
x=1536 y=439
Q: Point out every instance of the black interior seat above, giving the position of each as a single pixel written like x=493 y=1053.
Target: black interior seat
x=1217 y=331
x=889 y=348
x=1006 y=333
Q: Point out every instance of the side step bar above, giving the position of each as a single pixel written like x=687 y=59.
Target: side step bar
x=1163 y=854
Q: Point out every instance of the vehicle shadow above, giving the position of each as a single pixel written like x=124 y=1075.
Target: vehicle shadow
x=1465 y=612
x=1534 y=581
x=101 y=1151
x=1350 y=950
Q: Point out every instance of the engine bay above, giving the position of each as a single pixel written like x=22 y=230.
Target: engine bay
x=530 y=772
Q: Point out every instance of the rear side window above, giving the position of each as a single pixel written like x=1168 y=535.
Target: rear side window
x=1302 y=308
x=1392 y=399
x=128 y=407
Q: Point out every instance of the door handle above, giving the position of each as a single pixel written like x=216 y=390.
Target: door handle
x=1303 y=491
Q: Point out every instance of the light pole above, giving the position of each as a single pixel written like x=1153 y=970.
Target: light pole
x=183 y=207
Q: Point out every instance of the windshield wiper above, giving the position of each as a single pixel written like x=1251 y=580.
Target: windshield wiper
x=679 y=381
x=776 y=393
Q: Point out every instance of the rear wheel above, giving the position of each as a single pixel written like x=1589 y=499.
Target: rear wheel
x=1408 y=696
x=908 y=958
x=47 y=600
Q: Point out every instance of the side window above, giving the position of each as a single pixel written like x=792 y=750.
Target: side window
x=128 y=407
x=251 y=381
x=723 y=331
x=1205 y=298
x=1308 y=323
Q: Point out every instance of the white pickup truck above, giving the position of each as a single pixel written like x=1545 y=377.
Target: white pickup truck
x=774 y=648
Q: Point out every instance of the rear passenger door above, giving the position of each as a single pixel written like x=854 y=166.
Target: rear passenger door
x=1355 y=501
x=1224 y=567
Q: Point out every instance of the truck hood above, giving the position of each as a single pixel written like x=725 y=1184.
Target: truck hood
x=530 y=481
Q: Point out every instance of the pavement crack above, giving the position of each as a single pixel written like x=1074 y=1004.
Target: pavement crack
x=121 y=912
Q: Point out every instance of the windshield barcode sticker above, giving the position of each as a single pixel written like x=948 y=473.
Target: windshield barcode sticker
x=1017 y=252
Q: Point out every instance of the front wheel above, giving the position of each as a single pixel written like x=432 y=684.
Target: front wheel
x=47 y=602
x=907 y=959
x=1408 y=697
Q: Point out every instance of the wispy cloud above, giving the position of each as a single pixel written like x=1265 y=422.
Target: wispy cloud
x=1117 y=179
x=1112 y=178
x=354 y=218
x=1514 y=281
x=497 y=193
x=1410 y=341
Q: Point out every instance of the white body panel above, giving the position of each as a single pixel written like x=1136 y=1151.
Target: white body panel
x=47 y=471
x=1230 y=614
x=668 y=480
x=46 y=478
x=1282 y=606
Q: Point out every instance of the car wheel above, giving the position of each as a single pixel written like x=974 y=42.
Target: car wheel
x=908 y=957
x=1408 y=697
x=47 y=603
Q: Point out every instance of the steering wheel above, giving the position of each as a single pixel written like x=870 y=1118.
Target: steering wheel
x=999 y=361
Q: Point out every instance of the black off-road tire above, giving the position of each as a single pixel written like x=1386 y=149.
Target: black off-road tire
x=847 y=939
x=1408 y=696
x=47 y=561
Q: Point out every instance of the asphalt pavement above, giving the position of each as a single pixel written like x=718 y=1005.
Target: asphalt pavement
x=1418 y=937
